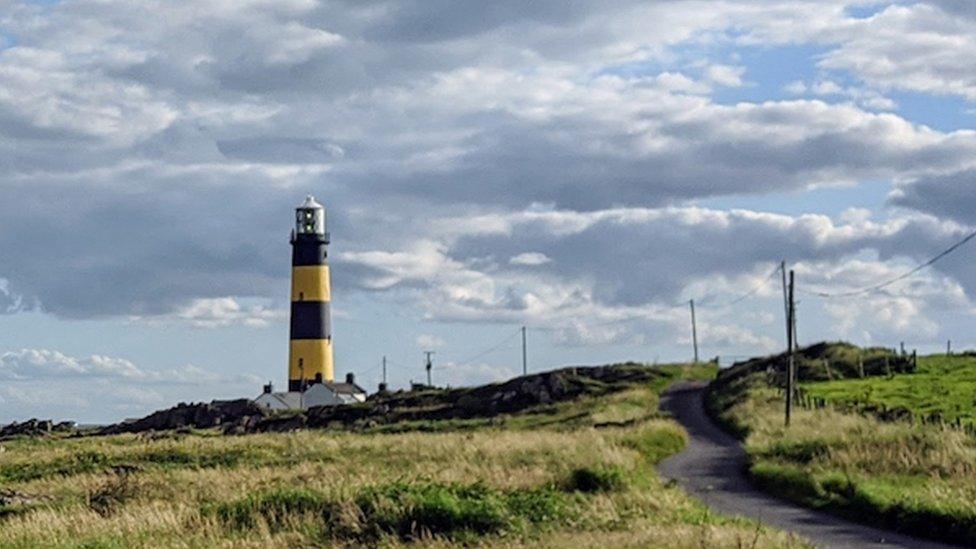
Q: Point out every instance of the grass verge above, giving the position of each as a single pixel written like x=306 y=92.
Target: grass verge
x=916 y=478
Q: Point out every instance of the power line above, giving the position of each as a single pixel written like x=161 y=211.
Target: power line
x=757 y=287
x=899 y=278
x=491 y=349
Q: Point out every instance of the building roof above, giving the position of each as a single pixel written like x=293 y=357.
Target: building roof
x=345 y=388
x=290 y=399
x=310 y=203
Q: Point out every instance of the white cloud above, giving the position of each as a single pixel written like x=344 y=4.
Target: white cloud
x=725 y=75
x=227 y=311
x=917 y=47
x=530 y=259
x=866 y=98
x=427 y=341
x=98 y=388
x=42 y=363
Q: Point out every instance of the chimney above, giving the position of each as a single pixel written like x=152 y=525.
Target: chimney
x=350 y=378
x=268 y=388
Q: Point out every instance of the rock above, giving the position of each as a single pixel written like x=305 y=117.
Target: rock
x=185 y=416
x=35 y=427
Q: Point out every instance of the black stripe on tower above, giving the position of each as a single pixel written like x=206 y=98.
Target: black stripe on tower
x=310 y=320
x=308 y=250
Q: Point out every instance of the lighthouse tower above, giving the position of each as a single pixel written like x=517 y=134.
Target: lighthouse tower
x=310 y=352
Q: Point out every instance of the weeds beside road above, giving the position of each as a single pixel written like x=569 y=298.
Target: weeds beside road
x=916 y=478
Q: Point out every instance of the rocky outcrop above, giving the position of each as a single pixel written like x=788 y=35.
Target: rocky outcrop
x=427 y=404
x=35 y=427
x=199 y=415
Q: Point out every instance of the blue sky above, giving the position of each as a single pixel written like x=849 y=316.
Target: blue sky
x=578 y=169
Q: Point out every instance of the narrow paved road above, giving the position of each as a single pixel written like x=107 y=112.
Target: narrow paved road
x=712 y=468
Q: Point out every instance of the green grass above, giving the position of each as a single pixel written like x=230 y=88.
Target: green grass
x=943 y=387
x=918 y=478
x=576 y=473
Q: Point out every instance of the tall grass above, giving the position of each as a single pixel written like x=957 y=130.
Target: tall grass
x=579 y=474
x=918 y=478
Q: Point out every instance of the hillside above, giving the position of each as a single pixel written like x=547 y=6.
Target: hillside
x=943 y=389
x=577 y=472
x=426 y=409
x=919 y=478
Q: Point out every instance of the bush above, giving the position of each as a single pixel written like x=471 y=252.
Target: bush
x=106 y=498
x=403 y=509
x=602 y=478
x=273 y=506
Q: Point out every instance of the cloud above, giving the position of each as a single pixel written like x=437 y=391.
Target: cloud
x=596 y=293
x=947 y=195
x=157 y=158
x=866 y=98
x=99 y=388
x=42 y=363
x=725 y=75
x=905 y=47
x=529 y=259
x=34 y=364
x=427 y=341
x=226 y=311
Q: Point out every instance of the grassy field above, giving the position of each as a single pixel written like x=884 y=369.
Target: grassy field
x=943 y=386
x=578 y=473
x=919 y=478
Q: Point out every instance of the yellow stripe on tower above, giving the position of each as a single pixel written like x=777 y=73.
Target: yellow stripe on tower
x=310 y=283
x=308 y=357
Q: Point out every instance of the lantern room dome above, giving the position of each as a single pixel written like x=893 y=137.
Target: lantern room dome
x=311 y=204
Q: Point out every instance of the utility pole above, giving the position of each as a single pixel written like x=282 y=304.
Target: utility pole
x=786 y=303
x=429 y=366
x=949 y=347
x=791 y=349
x=384 y=369
x=694 y=329
x=525 y=362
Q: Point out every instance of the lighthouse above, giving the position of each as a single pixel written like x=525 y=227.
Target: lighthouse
x=310 y=346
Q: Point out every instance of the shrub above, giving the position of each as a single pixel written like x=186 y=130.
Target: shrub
x=403 y=509
x=409 y=510
x=601 y=478
x=273 y=506
x=106 y=498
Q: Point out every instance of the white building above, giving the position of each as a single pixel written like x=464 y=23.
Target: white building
x=326 y=393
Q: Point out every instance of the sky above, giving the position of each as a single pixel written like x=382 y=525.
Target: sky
x=580 y=168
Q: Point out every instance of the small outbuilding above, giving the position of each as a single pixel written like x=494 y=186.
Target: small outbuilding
x=326 y=393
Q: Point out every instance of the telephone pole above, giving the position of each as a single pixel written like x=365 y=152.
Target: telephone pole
x=694 y=329
x=786 y=302
x=384 y=369
x=791 y=350
x=429 y=366
x=525 y=363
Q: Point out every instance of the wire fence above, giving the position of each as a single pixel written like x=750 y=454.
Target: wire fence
x=882 y=411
